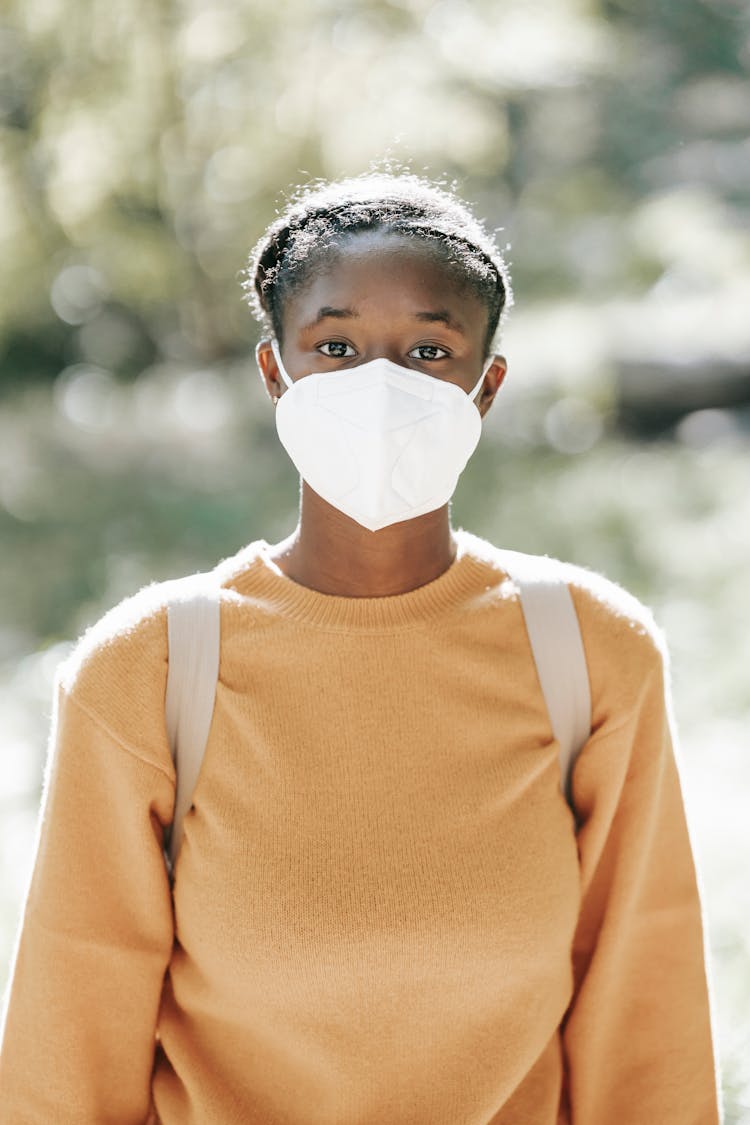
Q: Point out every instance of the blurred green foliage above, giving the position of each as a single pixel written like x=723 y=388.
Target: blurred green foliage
x=143 y=147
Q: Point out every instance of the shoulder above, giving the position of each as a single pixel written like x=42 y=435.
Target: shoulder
x=601 y=603
x=624 y=645
x=618 y=629
x=609 y=607
x=626 y=650
x=131 y=631
x=117 y=669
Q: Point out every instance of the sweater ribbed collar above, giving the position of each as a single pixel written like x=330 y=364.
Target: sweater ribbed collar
x=253 y=573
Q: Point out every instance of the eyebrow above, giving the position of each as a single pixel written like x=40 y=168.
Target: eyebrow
x=444 y=317
x=327 y=311
x=441 y=316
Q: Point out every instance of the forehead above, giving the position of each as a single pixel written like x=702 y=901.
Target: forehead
x=385 y=273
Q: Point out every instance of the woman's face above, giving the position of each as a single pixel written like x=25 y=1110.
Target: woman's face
x=385 y=295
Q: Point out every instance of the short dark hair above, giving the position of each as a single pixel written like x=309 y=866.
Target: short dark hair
x=322 y=216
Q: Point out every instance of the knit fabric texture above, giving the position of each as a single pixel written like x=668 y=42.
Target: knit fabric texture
x=381 y=910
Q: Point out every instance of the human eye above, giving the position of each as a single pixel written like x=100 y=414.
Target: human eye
x=339 y=349
x=428 y=352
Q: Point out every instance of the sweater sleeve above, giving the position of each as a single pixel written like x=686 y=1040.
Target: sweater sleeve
x=637 y=1037
x=96 y=933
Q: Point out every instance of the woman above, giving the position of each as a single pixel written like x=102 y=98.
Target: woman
x=382 y=911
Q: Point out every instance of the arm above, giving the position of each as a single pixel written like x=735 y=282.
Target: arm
x=96 y=935
x=637 y=1036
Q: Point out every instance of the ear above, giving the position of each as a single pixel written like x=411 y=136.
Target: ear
x=269 y=370
x=493 y=381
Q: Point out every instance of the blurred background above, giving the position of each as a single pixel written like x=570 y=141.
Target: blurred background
x=144 y=146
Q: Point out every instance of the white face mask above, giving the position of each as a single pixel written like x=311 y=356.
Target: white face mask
x=381 y=442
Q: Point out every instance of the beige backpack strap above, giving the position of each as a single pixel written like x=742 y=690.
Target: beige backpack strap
x=193 y=617
x=556 y=643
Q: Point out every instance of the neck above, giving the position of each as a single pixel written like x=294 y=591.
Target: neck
x=333 y=554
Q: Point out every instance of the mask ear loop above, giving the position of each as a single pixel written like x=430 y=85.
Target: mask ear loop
x=485 y=369
x=279 y=364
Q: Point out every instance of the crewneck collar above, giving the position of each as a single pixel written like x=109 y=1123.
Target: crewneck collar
x=256 y=575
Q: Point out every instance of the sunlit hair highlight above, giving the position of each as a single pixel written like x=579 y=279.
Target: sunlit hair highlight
x=321 y=217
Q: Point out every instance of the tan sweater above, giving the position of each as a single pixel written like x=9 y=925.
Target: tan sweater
x=382 y=915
